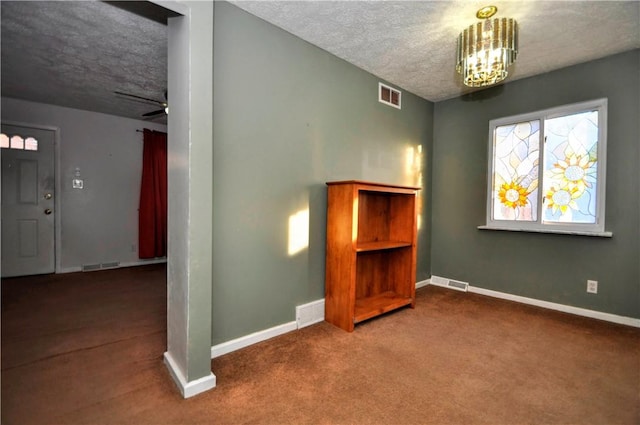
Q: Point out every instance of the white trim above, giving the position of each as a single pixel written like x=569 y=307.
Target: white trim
x=188 y=389
x=391 y=89
x=594 y=229
x=313 y=310
x=548 y=230
x=143 y=262
x=254 y=338
x=316 y=316
x=423 y=283
x=73 y=269
x=608 y=317
x=57 y=184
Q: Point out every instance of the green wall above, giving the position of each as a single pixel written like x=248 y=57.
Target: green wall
x=548 y=267
x=289 y=117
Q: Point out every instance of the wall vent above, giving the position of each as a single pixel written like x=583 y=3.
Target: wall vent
x=456 y=284
x=310 y=313
x=389 y=96
x=90 y=267
x=93 y=267
x=449 y=283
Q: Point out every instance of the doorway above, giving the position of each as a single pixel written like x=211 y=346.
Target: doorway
x=28 y=200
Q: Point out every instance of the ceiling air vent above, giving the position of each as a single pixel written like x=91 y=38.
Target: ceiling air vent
x=389 y=96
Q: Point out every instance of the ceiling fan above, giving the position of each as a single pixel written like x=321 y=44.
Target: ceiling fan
x=153 y=114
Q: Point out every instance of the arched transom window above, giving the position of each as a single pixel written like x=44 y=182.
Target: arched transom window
x=18 y=142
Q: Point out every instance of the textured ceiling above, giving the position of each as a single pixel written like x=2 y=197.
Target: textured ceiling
x=77 y=54
x=413 y=43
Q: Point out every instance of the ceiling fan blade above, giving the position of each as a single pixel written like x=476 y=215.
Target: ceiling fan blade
x=146 y=99
x=154 y=113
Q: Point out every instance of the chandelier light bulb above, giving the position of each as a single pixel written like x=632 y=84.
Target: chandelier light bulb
x=486 y=49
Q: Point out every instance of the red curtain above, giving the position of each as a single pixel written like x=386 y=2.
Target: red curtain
x=152 y=221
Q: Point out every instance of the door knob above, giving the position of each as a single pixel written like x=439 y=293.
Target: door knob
x=48 y=211
x=48 y=196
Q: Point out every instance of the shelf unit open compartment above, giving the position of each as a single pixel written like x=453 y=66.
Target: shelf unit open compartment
x=371 y=250
x=383 y=282
x=385 y=220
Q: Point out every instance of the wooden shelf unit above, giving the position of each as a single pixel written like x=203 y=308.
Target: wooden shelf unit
x=371 y=250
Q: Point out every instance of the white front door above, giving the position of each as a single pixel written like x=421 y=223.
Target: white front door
x=28 y=181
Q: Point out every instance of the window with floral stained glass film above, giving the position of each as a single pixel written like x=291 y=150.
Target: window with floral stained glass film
x=571 y=168
x=547 y=170
x=515 y=171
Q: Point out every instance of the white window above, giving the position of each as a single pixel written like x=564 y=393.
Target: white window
x=547 y=170
x=18 y=142
x=30 y=144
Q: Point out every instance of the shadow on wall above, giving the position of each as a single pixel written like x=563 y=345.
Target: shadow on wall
x=485 y=94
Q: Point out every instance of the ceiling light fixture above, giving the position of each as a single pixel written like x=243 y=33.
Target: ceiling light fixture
x=487 y=48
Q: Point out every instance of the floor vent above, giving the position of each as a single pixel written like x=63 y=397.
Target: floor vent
x=94 y=267
x=456 y=284
x=449 y=283
x=90 y=267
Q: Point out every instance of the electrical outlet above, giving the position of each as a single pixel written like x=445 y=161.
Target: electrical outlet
x=592 y=286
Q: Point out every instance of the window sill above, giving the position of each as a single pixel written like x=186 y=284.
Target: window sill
x=561 y=232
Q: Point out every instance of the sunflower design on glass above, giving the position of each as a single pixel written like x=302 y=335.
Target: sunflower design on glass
x=513 y=195
x=562 y=199
x=574 y=172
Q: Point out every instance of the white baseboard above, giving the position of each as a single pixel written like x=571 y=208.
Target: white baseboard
x=608 y=317
x=247 y=340
x=313 y=312
x=422 y=283
x=144 y=262
x=74 y=269
x=188 y=389
x=306 y=315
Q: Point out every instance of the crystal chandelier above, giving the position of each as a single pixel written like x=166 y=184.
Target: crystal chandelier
x=487 y=48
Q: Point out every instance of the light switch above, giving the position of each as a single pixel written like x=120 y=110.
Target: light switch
x=78 y=183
